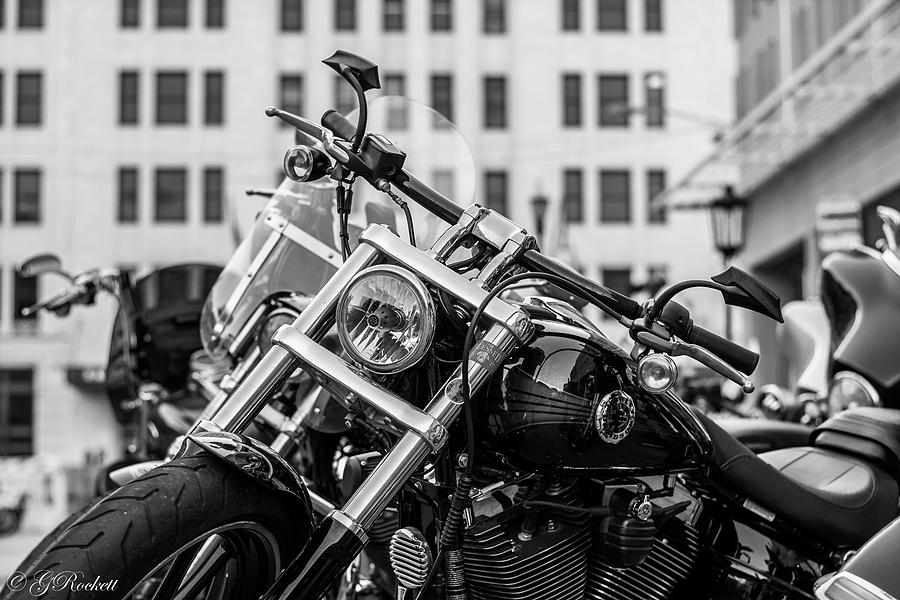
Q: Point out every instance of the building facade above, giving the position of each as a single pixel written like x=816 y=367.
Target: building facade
x=818 y=108
x=129 y=130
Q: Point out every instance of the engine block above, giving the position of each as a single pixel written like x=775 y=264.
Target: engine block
x=566 y=563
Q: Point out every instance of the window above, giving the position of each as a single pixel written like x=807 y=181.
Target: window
x=345 y=15
x=291 y=94
x=2 y=14
x=441 y=15
x=2 y=86
x=656 y=184
x=213 y=194
x=571 y=91
x=24 y=295
x=442 y=182
x=573 y=195
x=495 y=190
x=215 y=14
x=618 y=280
x=615 y=196
x=655 y=98
x=291 y=15
x=28 y=98
x=395 y=85
x=392 y=15
x=494 y=102
x=171 y=192
x=27 y=196
x=612 y=15
x=2 y=183
x=653 y=19
x=571 y=15
x=171 y=13
x=171 y=98
x=31 y=14
x=130 y=14
x=16 y=412
x=128 y=195
x=214 y=97
x=494 y=16
x=614 y=104
x=344 y=95
x=442 y=96
x=129 y=94
x=657 y=276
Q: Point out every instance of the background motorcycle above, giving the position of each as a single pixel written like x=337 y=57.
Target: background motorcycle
x=153 y=363
x=860 y=308
x=541 y=461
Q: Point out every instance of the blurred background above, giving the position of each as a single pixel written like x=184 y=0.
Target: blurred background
x=645 y=141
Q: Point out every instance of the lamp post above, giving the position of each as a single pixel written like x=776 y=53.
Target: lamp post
x=539 y=205
x=729 y=228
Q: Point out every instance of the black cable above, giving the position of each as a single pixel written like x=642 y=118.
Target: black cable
x=470 y=336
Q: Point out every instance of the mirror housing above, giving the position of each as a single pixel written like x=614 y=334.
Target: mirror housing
x=890 y=225
x=750 y=293
x=366 y=72
x=42 y=263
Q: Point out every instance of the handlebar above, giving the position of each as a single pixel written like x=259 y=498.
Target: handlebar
x=57 y=303
x=674 y=315
x=677 y=318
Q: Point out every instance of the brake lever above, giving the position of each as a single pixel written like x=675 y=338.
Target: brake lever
x=312 y=129
x=701 y=355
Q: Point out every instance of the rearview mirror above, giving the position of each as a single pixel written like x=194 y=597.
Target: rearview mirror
x=746 y=291
x=43 y=263
x=890 y=224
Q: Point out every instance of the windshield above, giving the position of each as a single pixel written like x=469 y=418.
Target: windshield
x=294 y=244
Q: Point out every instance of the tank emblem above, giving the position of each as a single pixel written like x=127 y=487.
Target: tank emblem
x=614 y=417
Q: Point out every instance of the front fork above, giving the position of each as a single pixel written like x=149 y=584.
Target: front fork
x=342 y=534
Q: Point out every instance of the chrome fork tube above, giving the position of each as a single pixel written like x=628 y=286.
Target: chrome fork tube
x=274 y=368
x=401 y=462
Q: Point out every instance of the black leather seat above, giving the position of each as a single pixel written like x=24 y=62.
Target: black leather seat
x=763 y=435
x=838 y=498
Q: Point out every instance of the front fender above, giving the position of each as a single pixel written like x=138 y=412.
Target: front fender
x=251 y=457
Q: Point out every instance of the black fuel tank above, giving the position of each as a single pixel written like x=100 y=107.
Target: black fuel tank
x=568 y=404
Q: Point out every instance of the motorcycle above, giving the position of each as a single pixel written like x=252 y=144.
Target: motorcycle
x=870 y=574
x=154 y=360
x=858 y=307
x=12 y=507
x=501 y=448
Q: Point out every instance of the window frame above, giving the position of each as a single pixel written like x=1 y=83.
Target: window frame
x=128 y=195
x=606 y=175
x=183 y=100
x=439 y=100
x=29 y=114
x=291 y=16
x=20 y=215
x=214 y=97
x=604 y=8
x=214 y=195
x=214 y=15
x=654 y=18
x=165 y=9
x=568 y=8
x=130 y=14
x=496 y=100
x=655 y=101
x=339 y=23
x=10 y=444
x=33 y=8
x=182 y=216
x=127 y=77
x=607 y=118
x=573 y=196
x=572 y=107
x=501 y=177
x=655 y=217
x=393 y=21
x=286 y=79
x=441 y=21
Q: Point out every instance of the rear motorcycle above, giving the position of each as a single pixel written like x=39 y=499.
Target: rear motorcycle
x=860 y=309
x=503 y=448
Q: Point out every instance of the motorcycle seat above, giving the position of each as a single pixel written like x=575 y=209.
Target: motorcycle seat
x=763 y=435
x=838 y=498
x=870 y=433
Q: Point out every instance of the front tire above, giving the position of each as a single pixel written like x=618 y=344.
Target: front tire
x=145 y=535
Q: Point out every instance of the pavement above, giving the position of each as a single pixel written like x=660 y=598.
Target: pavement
x=14 y=547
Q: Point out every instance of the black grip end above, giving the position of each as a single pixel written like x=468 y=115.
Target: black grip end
x=271 y=111
x=339 y=124
x=737 y=356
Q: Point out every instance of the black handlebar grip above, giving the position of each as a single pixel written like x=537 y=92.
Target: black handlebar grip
x=339 y=124
x=737 y=356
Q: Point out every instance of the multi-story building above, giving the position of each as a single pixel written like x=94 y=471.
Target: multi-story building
x=130 y=128
x=817 y=104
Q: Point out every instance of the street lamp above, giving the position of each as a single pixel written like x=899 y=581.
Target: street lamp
x=729 y=228
x=539 y=206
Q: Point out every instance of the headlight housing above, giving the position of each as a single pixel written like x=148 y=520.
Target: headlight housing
x=385 y=319
x=851 y=390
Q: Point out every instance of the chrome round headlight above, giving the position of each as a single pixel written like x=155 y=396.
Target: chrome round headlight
x=850 y=390
x=385 y=319
x=657 y=373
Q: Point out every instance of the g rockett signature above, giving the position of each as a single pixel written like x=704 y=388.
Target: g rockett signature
x=41 y=582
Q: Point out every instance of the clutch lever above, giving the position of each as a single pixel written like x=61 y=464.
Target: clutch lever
x=701 y=355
